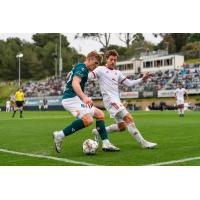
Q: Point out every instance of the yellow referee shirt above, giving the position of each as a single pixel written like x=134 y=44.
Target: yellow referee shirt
x=19 y=96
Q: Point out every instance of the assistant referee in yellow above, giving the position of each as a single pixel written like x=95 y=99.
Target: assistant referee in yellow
x=19 y=102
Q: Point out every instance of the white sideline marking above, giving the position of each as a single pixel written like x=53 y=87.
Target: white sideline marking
x=27 y=118
x=175 y=161
x=65 y=160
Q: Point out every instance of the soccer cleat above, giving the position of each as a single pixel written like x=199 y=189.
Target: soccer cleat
x=110 y=147
x=57 y=141
x=148 y=145
x=96 y=135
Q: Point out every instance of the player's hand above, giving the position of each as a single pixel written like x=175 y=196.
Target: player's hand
x=146 y=75
x=87 y=101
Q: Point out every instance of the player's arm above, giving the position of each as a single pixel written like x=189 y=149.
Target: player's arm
x=92 y=76
x=77 y=88
x=175 y=95
x=130 y=83
x=95 y=74
x=186 y=94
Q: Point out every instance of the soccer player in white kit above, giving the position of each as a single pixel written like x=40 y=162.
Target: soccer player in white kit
x=8 y=106
x=109 y=79
x=179 y=96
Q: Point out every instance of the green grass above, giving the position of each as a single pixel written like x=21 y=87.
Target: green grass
x=191 y=61
x=177 y=138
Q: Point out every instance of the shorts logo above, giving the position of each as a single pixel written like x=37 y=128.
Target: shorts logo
x=73 y=130
x=83 y=105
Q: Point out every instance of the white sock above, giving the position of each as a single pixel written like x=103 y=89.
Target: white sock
x=179 y=111
x=182 y=112
x=61 y=134
x=135 y=133
x=112 y=128
x=105 y=142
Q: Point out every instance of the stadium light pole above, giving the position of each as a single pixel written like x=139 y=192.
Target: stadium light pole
x=60 y=56
x=19 y=56
x=56 y=57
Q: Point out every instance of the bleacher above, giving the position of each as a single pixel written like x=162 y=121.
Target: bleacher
x=189 y=76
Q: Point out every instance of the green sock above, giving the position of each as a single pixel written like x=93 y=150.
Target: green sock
x=73 y=127
x=100 y=126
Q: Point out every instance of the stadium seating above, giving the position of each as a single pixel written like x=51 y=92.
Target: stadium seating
x=189 y=76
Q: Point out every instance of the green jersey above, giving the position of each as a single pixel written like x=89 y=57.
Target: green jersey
x=78 y=70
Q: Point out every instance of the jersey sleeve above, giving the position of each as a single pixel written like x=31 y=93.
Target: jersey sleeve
x=95 y=74
x=121 y=77
x=80 y=71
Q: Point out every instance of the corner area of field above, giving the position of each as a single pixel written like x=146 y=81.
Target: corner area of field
x=28 y=141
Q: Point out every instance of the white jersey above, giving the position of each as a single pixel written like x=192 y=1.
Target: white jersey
x=109 y=83
x=7 y=104
x=180 y=93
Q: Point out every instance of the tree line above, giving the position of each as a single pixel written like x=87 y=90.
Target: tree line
x=40 y=56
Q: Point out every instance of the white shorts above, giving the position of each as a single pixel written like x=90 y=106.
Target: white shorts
x=117 y=111
x=45 y=106
x=76 y=106
x=180 y=101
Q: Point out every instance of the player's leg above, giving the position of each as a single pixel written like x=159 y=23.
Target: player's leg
x=113 y=108
x=102 y=132
x=132 y=129
x=179 y=107
x=78 y=124
x=21 y=109
x=15 y=110
x=182 y=110
x=118 y=127
x=83 y=119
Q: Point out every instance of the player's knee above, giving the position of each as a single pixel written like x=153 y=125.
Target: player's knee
x=87 y=120
x=122 y=126
x=99 y=115
x=128 y=119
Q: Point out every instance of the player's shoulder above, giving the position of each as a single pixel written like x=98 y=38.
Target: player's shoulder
x=100 y=67
x=80 y=66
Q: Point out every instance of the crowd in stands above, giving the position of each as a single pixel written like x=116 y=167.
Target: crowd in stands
x=49 y=87
x=189 y=76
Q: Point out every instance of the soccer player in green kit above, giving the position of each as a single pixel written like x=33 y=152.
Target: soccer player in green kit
x=81 y=106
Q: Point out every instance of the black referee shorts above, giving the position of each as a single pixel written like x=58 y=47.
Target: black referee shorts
x=19 y=103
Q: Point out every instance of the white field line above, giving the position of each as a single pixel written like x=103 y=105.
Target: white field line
x=65 y=160
x=28 y=118
x=175 y=161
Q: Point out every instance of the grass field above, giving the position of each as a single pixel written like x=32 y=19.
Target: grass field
x=28 y=141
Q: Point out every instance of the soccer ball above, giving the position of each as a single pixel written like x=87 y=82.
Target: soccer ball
x=90 y=147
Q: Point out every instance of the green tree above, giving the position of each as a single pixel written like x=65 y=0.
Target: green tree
x=173 y=42
x=194 y=37
x=41 y=39
x=126 y=38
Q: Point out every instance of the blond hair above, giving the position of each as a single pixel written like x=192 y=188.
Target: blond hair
x=96 y=55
